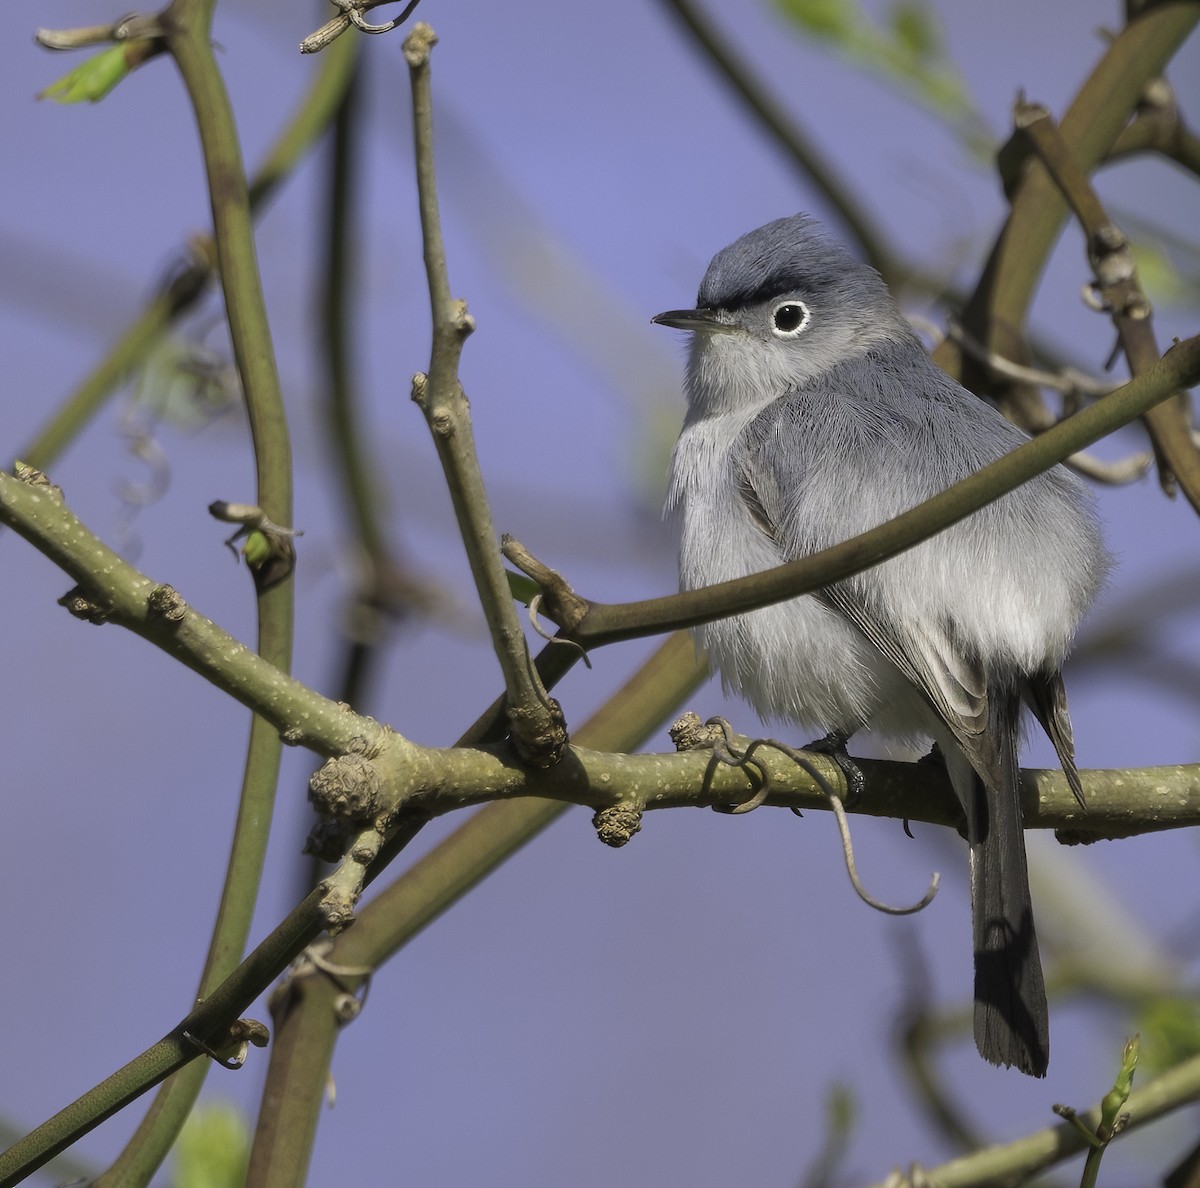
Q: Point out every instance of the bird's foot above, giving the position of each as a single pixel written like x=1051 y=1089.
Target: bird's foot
x=834 y=745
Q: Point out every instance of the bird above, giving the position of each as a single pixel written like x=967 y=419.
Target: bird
x=815 y=413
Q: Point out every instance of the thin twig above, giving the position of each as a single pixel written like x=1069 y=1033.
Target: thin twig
x=1158 y=127
x=999 y=306
x=1117 y=473
x=1116 y=291
x=1017 y=1162
x=535 y=718
x=351 y=14
x=1070 y=381
x=132 y=27
x=1073 y=383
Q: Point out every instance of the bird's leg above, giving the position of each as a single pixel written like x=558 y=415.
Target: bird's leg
x=936 y=758
x=834 y=745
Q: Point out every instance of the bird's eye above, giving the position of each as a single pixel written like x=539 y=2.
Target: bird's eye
x=789 y=318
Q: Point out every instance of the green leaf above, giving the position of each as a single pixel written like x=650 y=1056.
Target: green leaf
x=256 y=549
x=830 y=20
x=213 y=1150
x=523 y=589
x=1170 y=1029
x=905 y=49
x=90 y=81
x=915 y=30
x=1163 y=282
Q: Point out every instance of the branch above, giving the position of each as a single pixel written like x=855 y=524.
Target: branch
x=404 y=775
x=352 y=14
x=305 y=1010
x=1137 y=55
x=1158 y=127
x=604 y=623
x=188 y=25
x=1120 y=803
x=535 y=719
x=1017 y=1161
x=111 y=590
x=1117 y=290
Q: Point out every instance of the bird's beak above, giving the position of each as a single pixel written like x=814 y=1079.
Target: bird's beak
x=692 y=319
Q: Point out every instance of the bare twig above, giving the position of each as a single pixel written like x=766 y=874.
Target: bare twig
x=1115 y=290
x=352 y=14
x=135 y=26
x=1074 y=384
x=562 y=604
x=1117 y=473
x=535 y=718
x=1158 y=127
x=1070 y=381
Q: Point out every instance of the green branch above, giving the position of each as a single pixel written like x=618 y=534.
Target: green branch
x=307 y=1021
x=112 y=590
x=188 y=25
x=1017 y=1162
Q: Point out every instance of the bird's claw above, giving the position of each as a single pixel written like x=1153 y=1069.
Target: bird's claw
x=834 y=745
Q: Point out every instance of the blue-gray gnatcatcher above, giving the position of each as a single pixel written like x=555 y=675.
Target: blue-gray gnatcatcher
x=814 y=414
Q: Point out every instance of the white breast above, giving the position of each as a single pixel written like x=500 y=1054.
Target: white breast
x=797 y=659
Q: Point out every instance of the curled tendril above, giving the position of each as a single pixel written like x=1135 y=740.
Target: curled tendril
x=355 y=13
x=535 y=623
x=725 y=751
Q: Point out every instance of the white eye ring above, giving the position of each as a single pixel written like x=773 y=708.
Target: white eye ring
x=789 y=319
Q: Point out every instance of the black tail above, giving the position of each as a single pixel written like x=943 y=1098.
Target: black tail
x=1012 y=1025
